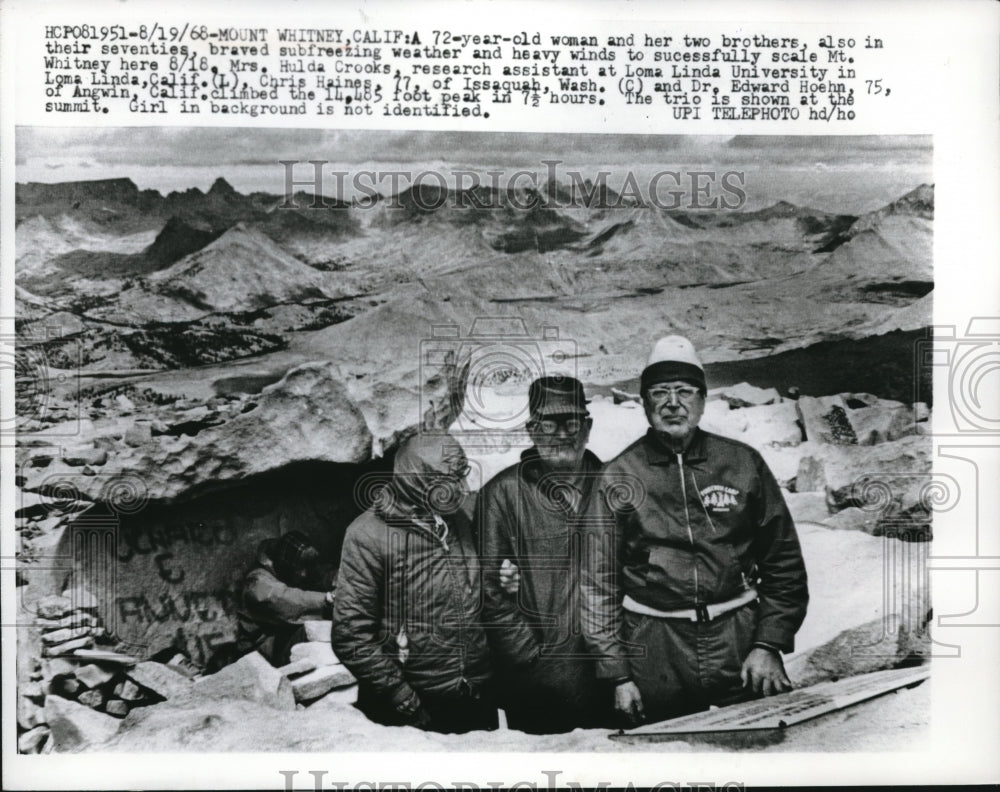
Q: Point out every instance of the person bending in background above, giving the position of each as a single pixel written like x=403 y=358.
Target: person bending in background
x=289 y=585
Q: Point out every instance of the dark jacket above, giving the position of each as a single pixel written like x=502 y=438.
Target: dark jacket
x=394 y=570
x=677 y=533
x=270 y=613
x=522 y=517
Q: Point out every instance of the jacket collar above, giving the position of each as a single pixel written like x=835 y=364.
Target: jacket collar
x=657 y=453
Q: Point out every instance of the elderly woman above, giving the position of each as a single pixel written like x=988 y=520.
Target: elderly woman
x=407 y=618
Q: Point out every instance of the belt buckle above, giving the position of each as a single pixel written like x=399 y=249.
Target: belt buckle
x=701 y=613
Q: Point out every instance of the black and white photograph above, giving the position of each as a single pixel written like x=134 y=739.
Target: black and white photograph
x=517 y=441
x=498 y=395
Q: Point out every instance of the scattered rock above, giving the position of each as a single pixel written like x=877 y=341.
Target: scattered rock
x=318 y=630
x=856 y=401
x=321 y=681
x=73 y=620
x=74 y=725
x=921 y=412
x=853 y=519
x=320 y=653
x=92 y=698
x=116 y=707
x=65 y=686
x=69 y=647
x=881 y=423
x=772 y=424
x=81 y=597
x=297 y=668
x=888 y=478
x=138 y=434
x=31 y=741
x=105 y=656
x=719 y=419
x=159 y=679
x=807 y=506
x=33 y=690
x=29 y=714
x=252 y=678
x=65 y=635
x=307 y=416
x=124 y=403
x=55 y=667
x=78 y=457
x=93 y=675
x=747 y=395
x=53 y=607
x=127 y=690
x=621 y=396
x=825 y=419
x=859 y=650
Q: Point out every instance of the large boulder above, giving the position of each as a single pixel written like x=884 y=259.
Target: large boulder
x=859 y=650
x=746 y=395
x=75 y=726
x=869 y=603
x=882 y=422
x=825 y=420
x=891 y=481
x=251 y=678
x=307 y=416
x=758 y=426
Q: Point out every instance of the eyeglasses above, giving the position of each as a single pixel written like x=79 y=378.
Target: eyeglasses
x=683 y=393
x=549 y=426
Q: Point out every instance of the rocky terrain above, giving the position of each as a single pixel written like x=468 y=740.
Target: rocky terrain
x=199 y=371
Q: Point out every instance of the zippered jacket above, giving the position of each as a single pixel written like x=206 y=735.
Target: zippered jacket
x=523 y=517
x=396 y=573
x=678 y=532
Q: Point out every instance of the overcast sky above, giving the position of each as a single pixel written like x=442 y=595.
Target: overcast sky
x=213 y=146
x=848 y=173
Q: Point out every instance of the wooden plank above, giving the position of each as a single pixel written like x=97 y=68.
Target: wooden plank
x=787 y=709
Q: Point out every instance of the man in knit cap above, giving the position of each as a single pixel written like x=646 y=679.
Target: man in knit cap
x=693 y=583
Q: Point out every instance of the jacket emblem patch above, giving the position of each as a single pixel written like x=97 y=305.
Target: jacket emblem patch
x=719 y=498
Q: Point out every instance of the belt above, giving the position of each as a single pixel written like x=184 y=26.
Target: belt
x=699 y=613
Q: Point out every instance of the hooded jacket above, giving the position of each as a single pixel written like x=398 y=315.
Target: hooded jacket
x=409 y=570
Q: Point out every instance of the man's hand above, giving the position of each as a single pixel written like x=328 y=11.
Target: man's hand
x=510 y=577
x=628 y=701
x=764 y=672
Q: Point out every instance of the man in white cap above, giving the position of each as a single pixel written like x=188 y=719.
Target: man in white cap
x=693 y=583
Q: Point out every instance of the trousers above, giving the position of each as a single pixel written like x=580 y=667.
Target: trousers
x=681 y=666
x=448 y=714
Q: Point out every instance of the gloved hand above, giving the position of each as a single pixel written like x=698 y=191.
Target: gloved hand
x=510 y=577
x=413 y=712
x=421 y=719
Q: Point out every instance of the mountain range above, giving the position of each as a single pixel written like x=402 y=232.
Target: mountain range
x=118 y=269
